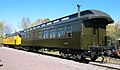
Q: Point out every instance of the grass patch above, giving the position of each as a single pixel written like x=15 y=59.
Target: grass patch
x=52 y=52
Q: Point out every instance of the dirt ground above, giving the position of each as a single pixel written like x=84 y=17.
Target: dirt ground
x=13 y=59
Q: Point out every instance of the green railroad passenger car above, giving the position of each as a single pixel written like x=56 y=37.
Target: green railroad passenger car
x=71 y=35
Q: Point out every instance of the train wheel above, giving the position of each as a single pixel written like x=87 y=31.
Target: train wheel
x=64 y=55
x=81 y=58
x=74 y=57
x=78 y=57
x=102 y=58
x=7 y=46
x=94 y=58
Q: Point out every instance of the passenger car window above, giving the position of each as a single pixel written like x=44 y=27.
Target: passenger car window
x=30 y=36
x=45 y=34
x=35 y=35
x=52 y=33
x=61 y=32
x=23 y=35
x=69 y=31
x=39 y=35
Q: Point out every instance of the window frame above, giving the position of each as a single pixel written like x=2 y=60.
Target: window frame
x=30 y=36
x=40 y=35
x=60 y=32
x=52 y=33
x=45 y=34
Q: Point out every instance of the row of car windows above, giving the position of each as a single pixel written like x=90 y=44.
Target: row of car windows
x=60 y=32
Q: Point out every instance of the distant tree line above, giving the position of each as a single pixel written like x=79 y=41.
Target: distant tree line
x=113 y=30
x=26 y=22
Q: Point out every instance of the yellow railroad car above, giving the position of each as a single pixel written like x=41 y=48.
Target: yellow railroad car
x=12 y=40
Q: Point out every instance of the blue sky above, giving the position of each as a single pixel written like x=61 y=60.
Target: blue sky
x=12 y=11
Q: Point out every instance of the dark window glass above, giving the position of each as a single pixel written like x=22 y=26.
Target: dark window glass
x=69 y=31
x=94 y=31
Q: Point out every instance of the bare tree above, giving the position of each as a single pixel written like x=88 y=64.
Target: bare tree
x=1 y=27
x=7 y=29
x=25 y=23
x=1 y=30
x=4 y=29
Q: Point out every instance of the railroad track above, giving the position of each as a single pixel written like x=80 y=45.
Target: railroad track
x=106 y=65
